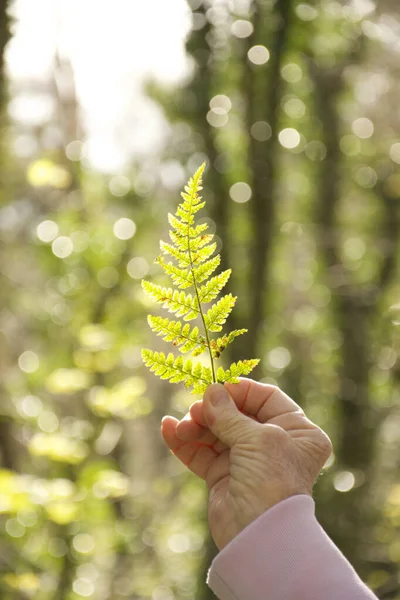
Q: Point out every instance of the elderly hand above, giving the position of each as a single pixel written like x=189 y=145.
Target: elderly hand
x=254 y=447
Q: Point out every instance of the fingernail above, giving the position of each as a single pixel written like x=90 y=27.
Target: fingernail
x=163 y=419
x=219 y=396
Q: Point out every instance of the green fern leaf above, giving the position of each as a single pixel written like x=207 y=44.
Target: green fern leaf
x=182 y=257
x=212 y=288
x=184 y=244
x=182 y=230
x=219 y=345
x=201 y=241
x=183 y=278
x=192 y=249
x=203 y=254
x=183 y=305
x=219 y=312
x=177 y=369
x=173 y=331
x=242 y=367
x=204 y=271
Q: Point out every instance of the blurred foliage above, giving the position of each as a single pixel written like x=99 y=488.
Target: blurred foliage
x=294 y=106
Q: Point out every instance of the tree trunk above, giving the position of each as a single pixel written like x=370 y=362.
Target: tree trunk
x=263 y=91
x=355 y=309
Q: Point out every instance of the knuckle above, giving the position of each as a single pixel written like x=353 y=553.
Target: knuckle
x=234 y=426
x=195 y=408
x=271 y=435
x=325 y=445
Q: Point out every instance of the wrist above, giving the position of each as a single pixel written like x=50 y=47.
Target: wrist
x=261 y=505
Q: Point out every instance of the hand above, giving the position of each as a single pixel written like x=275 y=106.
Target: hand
x=254 y=448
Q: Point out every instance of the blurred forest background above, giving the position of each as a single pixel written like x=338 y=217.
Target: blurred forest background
x=295 y=108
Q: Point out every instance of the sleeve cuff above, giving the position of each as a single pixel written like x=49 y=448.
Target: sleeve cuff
x=285 y=555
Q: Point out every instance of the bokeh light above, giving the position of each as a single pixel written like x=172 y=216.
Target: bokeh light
x=137 y=267
x=119 y=185
x=258 y=55
x=363 y=128
x=30 y=406
x=28 y=361
x=124 y=228
x=295 y=108
x=344 y=481
x=62 y=246
x=240 y=192
x=306 y=12
x=279 y=358
x=292 y=73
x=217 y=117
x=261 y=131
x=221 y=102
x=47 y=231
x=395 y=152
x=74 y=150
x=289 y=138
x=242 y=28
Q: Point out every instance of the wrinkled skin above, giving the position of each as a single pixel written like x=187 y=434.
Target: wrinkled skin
x=252 y=454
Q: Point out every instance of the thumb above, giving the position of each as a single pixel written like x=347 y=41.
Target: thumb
x=224 y=418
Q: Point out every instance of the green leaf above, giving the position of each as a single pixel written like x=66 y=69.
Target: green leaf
x=184 y=230
x=212 y=288
x=203 y=254
x=184 y=305
x=183 y=278
x=219 y=312
x=176 y=369
x=172 y=331
x=242 y=367
x=219 y=345
x=220 y=375
x=204 y=271
x=192 y=248
x=181 y=257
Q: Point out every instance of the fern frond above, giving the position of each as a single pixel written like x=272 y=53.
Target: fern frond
x=203 y=254
x=242 y=367
x=183 y=278
x=219 y=345
x=204 y=271
x=185 y=208
x=212 y=288
x=201 y=241
x=192 y=249
x=181 y=257
x=182 y=230
x=184 y=244
x=178 y=334
x=183 y=305
x=219 y=312
x=178 y=369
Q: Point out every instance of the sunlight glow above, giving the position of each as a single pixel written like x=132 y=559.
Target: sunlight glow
x=120 y=122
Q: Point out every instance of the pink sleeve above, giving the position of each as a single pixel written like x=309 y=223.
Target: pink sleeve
x=285 y=555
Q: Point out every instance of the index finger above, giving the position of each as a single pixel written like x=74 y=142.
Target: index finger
x=260 y=401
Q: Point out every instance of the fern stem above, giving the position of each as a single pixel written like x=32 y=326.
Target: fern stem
x=206 y=332
x=197 y=295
